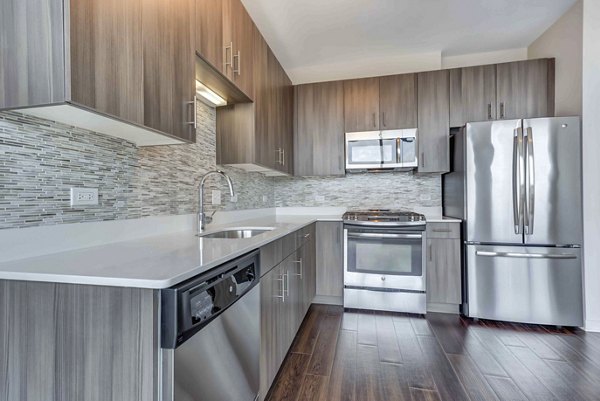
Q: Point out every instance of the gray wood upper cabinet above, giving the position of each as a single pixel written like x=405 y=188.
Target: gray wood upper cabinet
x=330 y=269
x=78 y=342
x=260 y=133
x=525 y=89
x=472 y=94
x=169 y=75
x=398 y=101
x=433 y=121
x=209 y=31
x=361 y=104
x=319 y=129
x=87 y=63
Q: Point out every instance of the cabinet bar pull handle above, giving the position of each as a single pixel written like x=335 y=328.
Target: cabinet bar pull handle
x=299 y=262
x=430 y=253
x=422 y=159
x=282 y=280
x=283 y=157
x=502 y=110
x=374 y=123
x=225 y=59
x=194 y=122
x=489 y=111
x=383 y=118
x=239 y=63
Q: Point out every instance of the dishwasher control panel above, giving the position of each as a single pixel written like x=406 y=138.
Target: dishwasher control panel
x=187 y=307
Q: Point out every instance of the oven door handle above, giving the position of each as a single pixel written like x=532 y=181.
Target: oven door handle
x=381 y=235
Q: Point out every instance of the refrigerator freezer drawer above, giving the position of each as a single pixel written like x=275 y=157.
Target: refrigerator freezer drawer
x=525 y=284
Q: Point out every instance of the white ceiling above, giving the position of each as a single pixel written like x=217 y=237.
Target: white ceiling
x=308 y=34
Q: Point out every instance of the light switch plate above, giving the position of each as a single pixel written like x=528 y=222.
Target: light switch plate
x=84 y=196
x=216 y=197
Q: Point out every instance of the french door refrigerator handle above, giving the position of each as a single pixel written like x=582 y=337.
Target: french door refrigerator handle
x=530 y=187
x=527 y=255
x=517 y=179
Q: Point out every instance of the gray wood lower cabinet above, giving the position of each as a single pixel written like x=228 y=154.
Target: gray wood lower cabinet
x=287 y=290
x=444 y=272
x=76 y=342
x=330 y=269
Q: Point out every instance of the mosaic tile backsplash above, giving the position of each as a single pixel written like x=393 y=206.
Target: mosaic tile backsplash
x=361 y=191
x=41 y=160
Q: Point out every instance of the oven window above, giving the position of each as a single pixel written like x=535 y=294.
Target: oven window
x=364 y=152
x=401 y=257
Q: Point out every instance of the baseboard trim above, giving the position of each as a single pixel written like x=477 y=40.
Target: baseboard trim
x=328 y=300
x=592 y=325
x=443 y=308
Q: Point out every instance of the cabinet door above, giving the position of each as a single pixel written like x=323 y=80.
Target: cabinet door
x=169 y=77
x=361 y=104
x=264 y=146
x=434 y=122
x=209 y=31
x=398 y=101
x=330 y=269
x=443 y=271
x=271 y=293
x=472 y=94
x=525 y=89
x=296 y=294
x=243 y=48
x=319 y=129
x=106 y=57
x=287 y=123
x=32 y=65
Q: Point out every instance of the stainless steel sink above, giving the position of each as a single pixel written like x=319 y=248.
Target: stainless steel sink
x=237 y=233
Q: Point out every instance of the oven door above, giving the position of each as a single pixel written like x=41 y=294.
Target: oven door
x=384 y=259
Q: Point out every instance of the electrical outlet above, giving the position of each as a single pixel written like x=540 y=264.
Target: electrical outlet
x=319 y=198
x=84 y=196
x=216 y=197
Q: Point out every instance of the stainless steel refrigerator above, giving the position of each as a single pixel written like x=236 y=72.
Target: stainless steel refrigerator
x=517 y=186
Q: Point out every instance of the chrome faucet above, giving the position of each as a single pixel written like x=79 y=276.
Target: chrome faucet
x=201 y=214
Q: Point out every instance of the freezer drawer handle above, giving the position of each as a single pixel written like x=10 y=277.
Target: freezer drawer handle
x=527 y=255
x=373 y=235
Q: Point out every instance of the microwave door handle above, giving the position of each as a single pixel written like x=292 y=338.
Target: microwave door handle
x=398 y=151
x=381 y=235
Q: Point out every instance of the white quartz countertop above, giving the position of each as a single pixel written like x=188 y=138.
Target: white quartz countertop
x=153 y=262
x=159 y=261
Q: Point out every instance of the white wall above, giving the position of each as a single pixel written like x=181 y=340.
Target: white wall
x=499 y=56
x=563 y=40
x=399 y=64
x=591 y=161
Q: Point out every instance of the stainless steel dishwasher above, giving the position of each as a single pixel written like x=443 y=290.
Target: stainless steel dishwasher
x=210 y=334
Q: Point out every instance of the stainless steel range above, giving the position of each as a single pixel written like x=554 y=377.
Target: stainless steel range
x=384 y=260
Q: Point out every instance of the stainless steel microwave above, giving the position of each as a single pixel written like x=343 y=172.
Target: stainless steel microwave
x=391 y=149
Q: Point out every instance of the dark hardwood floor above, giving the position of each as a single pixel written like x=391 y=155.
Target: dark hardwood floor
x=368 y=356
